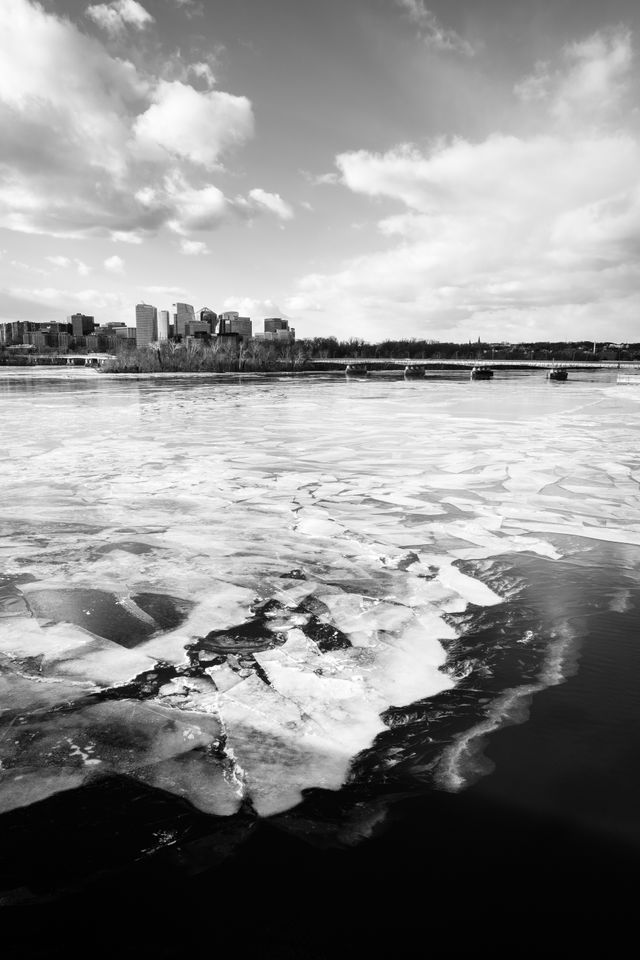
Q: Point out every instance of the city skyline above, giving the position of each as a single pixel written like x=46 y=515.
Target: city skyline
x=391 y=169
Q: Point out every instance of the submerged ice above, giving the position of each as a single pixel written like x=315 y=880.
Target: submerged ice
x=219 y=589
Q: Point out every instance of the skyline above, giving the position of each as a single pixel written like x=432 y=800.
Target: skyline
x=393 y=169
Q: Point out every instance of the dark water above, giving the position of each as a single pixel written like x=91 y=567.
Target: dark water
x=500 y=814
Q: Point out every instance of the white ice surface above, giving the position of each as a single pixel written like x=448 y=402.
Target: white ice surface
x=372 y=490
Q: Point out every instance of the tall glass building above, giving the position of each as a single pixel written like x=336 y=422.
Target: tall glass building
x=146 y=324
x=163 y=325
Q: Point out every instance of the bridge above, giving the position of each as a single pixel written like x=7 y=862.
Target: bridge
x=386 y=363
x=58 y=359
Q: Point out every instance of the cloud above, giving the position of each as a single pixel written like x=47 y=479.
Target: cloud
x=257 y=309
x=192 y=8
x=193 y=125
x=193 y=248
x=591 y=81
x=115 y=17
x=54 y=304
x=432 y=32
x=321 y=179
x=93 y=145
x=514 y=235
x=202 y=71
x=27 y=268
x=167 y=291
x=272 y=202
x=63 y=262
x=114 y=264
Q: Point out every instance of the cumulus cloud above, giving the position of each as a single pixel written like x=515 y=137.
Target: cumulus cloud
x=515 y=234
x=193 y=125
x=115 y=17
x=93 y=145
x=114 y=264
x=434 y=34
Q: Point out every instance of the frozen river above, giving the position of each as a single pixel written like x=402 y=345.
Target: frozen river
x=239 y=590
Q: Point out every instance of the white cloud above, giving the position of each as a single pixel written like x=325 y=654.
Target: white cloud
x=63 y=262
x=93 y=145
x=192 y=124
x=321 y=179
x=59 y=261
x=59 y=299
x=515 y=235
x=272 y=202
x=115 y=17
x=28 y=268
x=256 y=309
x=591 y=82
x=203 y=71
x=166 y=291
x=114 y=264
x=193 y=248
x=434 y=34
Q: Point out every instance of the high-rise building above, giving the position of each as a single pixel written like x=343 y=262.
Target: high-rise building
x=275 y=323
x=197 y=329
x=163 y=325
x=146 y=324
x=242 y=326
x=225 y=319
x=183 y=313
x=230 y=322
x=275 y=328
x=205 y=315
x=81 y=325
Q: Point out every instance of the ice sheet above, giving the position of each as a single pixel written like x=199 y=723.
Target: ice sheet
x=348 y=505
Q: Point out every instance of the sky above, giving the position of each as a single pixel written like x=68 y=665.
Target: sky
x=440 y=169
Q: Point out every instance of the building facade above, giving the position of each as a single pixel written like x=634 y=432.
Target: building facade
x=205 y=315
x=183 y=313
x=81 y=325
x=164 y=322
x=146 y=324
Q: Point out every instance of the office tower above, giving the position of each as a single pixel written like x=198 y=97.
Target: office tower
x=81 y=325
x=275 y=323
x=163 y=325
x=146 y=324
x=241 y=326
x=205 y=315
x=183 y=313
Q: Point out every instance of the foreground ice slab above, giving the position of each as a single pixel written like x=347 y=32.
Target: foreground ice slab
x=220 y=589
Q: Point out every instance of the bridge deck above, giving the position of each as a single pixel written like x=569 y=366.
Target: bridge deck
x=468 y=364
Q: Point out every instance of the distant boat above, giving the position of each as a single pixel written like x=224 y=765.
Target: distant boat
x=411 y=371
x=356 y=370
x=557 y=373
x=481 y=373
